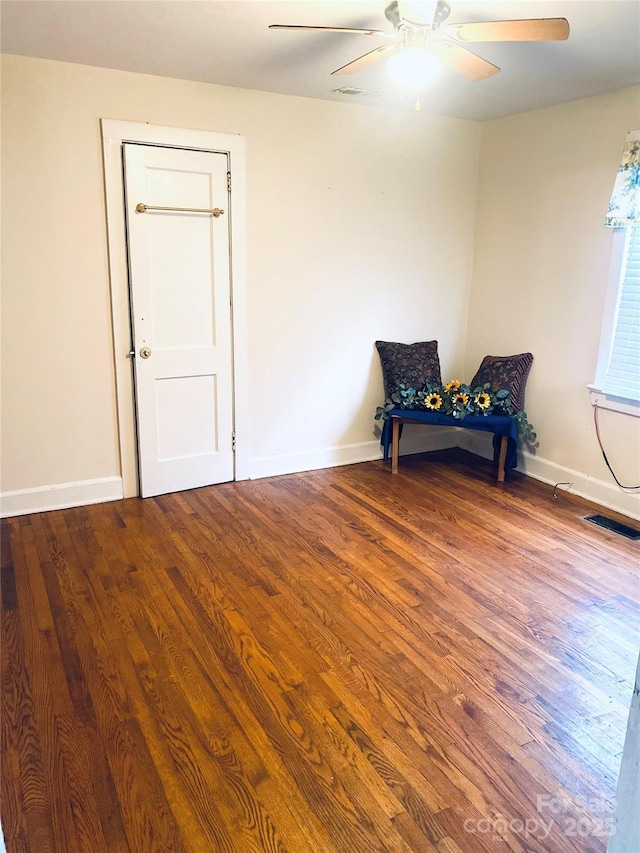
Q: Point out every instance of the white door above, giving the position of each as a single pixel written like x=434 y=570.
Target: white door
x=181 y=317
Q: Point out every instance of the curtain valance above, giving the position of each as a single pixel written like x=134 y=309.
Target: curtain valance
x=624 y=207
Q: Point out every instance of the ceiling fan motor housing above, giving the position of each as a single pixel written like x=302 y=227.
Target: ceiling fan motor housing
x=401 y=13
x=443 y=10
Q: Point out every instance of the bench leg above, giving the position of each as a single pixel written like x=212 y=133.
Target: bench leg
x=395 y=445
x=501 y=458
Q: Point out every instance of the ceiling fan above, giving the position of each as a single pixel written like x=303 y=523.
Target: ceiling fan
x=448 y=42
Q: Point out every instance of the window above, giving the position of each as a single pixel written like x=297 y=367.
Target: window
x=617 y=381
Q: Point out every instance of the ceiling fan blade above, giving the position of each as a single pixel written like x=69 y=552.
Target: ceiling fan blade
x=366 y=59
x=460 y=59
x=537 y=29
x=380 y=33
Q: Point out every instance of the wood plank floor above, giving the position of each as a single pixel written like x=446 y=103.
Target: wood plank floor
x=341 y=660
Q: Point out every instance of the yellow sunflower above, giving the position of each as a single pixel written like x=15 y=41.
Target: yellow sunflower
x=483 y=400
x=452 y=386
x=433 y=401
x=460 y=398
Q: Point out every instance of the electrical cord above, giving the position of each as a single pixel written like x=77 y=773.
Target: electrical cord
x=604 y=455
x=555 y=489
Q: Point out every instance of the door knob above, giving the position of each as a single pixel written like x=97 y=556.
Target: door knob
x=145 y=352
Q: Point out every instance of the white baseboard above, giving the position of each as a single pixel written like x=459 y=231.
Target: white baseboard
x=416 y=440
x=595 y=490
x=480 y=443
x=85 y=492
x=420 y=441
x=60 y=496
x=598 y=491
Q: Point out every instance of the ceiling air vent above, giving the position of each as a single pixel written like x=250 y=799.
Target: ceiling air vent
x=352 y=90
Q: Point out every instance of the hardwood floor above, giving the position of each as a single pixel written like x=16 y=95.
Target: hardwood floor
x=340 y=660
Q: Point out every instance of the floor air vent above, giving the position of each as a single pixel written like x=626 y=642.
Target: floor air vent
x=615 y=526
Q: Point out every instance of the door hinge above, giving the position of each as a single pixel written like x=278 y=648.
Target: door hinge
x=228 y=182
x=233 y=442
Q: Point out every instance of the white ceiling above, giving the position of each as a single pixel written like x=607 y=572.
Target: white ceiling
x=228 y=42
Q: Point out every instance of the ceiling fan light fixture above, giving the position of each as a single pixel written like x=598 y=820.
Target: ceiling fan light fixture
x=413 y=67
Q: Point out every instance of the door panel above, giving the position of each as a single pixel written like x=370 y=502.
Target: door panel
x=180 y=306
x=180 y=256
x=192 y=399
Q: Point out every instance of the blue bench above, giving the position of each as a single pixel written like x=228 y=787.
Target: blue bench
x=504 y=429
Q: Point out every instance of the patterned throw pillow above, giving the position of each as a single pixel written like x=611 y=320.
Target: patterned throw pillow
x=505 y=371
x=410 y=364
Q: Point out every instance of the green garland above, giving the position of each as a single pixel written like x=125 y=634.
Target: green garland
x=459 y=401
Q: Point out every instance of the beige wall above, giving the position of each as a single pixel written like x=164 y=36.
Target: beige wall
x=541 y=267
x=360 y=226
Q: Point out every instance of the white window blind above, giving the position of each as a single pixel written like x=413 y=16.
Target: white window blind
x=622 y=375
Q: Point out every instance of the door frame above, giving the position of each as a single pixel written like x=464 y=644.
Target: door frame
x=114 y=135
